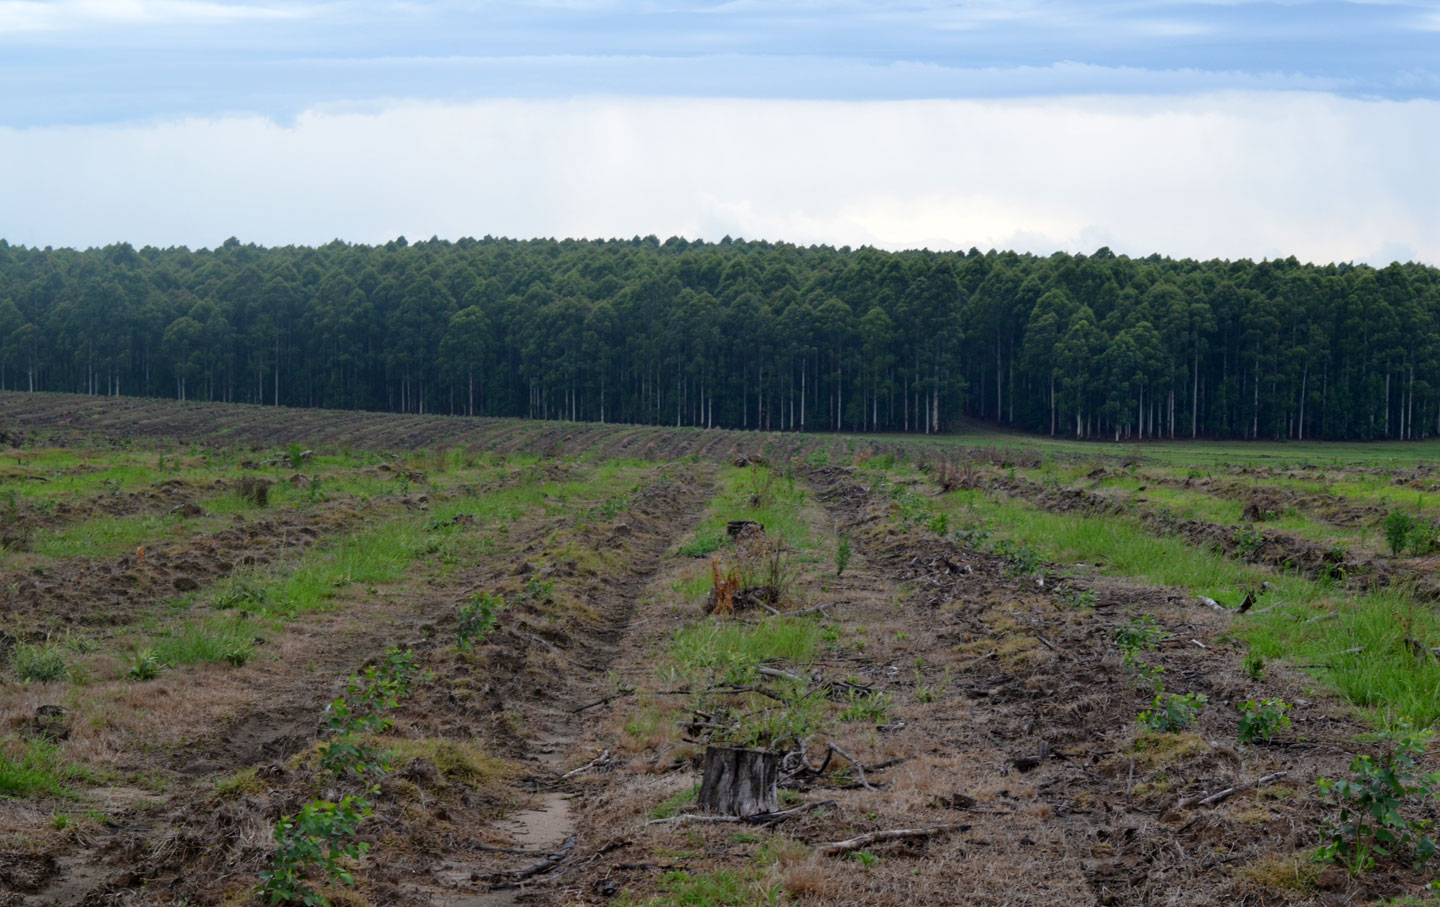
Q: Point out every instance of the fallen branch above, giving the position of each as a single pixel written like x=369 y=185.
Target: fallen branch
x=545 y=865
x=1225 y=794
x=738 y=688
x=531 y=637
x=757 y=819
x=1051 y=646
x=605 y=754
x=894 y=834
x=859 y=767
x=692 y=817
x=782 y=675
x=611 y=698
x=818 y=609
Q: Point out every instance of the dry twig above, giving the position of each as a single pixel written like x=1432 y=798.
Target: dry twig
x=894 y=834
x=1225 y=794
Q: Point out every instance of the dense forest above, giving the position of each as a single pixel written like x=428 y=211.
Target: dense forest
x=741 y=335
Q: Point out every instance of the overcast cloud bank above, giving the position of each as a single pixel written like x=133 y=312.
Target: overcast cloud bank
x=1226 y=175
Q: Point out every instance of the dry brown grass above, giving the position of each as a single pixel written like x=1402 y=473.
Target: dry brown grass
x=1292 y=873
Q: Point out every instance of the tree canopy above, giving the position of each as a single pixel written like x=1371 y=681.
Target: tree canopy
x=741 y=335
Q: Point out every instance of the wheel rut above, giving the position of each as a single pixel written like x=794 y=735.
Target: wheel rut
x=556 y=725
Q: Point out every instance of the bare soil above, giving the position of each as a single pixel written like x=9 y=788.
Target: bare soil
x=1010 y=734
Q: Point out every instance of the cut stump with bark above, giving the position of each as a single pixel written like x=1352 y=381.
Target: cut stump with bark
x=740 y=782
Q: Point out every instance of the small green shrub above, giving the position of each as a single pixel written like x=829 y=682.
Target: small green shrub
x=1371 y=823
x=1023 y=559
x=1248 y=541
x=1398 y=526
x=538 y=590
x=1262 y=719
x=478 y=617
x=295 y=456
x=865 y=858
x=1139 y=634
x=1255 y=665
x=312 y=843
x=842 y=553
x=1170 y=712
x=1424 y=538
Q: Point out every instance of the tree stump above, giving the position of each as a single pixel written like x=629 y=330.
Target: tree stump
x=736 y=528
x=740 y=782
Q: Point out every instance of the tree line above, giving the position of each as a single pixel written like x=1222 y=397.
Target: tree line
x=740 y=334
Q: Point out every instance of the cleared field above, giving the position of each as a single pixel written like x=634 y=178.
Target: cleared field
x=470 y=662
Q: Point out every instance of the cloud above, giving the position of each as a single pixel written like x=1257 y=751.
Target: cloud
x=1244 y=174
x=55 y=15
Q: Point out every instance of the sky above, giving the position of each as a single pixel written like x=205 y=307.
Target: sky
x=1222 y=128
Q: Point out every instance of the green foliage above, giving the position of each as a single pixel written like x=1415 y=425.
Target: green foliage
x=1139 y=634
x=676 y=803
x=842 y=553
x=361 y=712
x=478 y=617
x=701 y=546
x=1021 y=559
x=1407 y=533
x=1373 y=802
x=870 y=707
x=38 y=663
x=247 y=594
x=1170 y=712
x=1398 y=526
x=732 y=651
x=145 y=665
x=722 y=888
x=1134 y=637
x=518 y=342
x=1254 y=665
x=219 y=640
x=295 y=456
x=538 y=590
x=348 y=755
x=34 y=766
x=928 y=692
x=313 y=843
x=1248 y=541
x=1262 y=719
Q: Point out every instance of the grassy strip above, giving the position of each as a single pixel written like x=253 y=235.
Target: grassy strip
x=1280 y=454
x=384 y=553
x=1384 y=680
x=35 y=767
x=758 y=493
